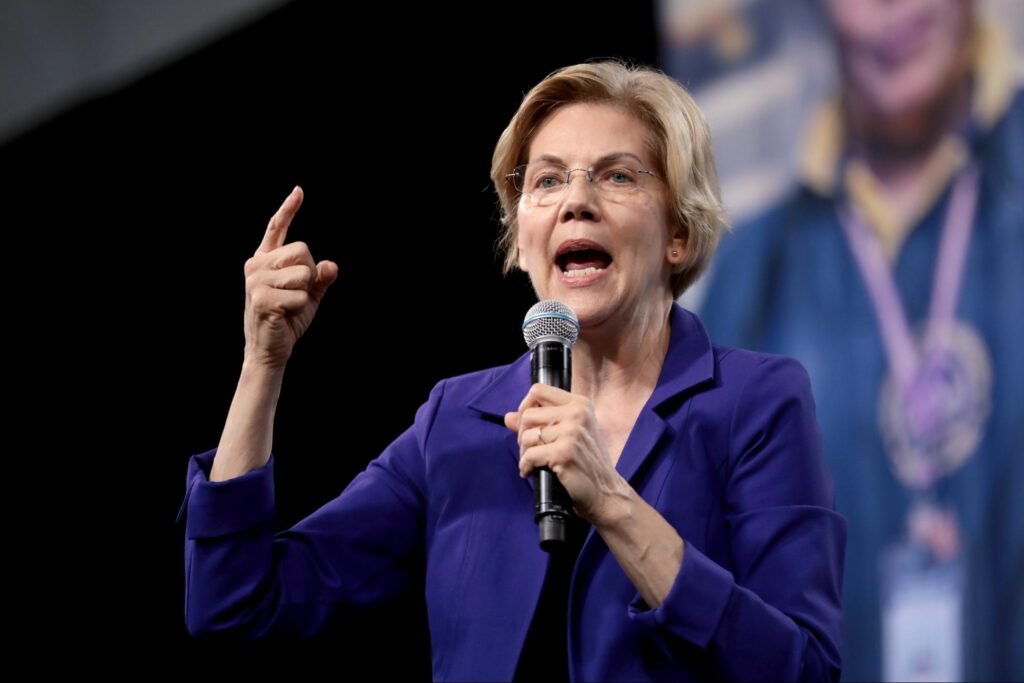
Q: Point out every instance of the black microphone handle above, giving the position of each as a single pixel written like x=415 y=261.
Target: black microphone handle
x=551 y=364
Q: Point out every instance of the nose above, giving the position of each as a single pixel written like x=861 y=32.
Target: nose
x=578 y=201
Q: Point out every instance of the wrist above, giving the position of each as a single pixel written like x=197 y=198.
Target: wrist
x=254 y=364
x=617 y=509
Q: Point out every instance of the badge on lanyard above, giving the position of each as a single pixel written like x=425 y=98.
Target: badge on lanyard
x=922 y=599
x=934 y=404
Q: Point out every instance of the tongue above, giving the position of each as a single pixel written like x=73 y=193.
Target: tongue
x=579 y=260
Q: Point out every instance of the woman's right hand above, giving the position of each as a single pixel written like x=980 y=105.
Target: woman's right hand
x=283 y=289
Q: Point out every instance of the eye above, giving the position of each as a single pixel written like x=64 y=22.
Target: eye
x=545 y=178
x=548 y=181
x=620 y=177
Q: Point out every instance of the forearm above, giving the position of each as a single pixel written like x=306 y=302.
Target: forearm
x=646 y=546
x=248 y=432
x=749 y=637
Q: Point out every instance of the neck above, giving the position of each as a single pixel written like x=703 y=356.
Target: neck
x=622 y=357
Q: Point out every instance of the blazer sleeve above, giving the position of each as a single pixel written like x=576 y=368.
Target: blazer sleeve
x=776 y=615
x=245 y=581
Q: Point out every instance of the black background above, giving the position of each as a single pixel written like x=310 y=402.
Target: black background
x=133 y=215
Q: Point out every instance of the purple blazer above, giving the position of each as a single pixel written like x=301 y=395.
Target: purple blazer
x=727 y=449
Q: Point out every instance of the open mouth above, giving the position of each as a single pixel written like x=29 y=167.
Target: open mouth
x=581 y=259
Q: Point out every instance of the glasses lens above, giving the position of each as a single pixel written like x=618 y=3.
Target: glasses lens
x=543 y=178
x=617 y=178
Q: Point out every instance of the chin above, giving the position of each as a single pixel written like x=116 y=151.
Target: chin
x=586 y=305
x=592 y=311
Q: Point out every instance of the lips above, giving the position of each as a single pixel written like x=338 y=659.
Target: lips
x=575 y=255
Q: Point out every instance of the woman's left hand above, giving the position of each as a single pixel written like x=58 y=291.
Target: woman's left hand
x=559 y=430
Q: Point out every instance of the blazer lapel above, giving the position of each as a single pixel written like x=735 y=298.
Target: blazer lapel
x=688 y=364
x=503 y=395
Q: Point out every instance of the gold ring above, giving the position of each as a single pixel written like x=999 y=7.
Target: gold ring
x=540 y=435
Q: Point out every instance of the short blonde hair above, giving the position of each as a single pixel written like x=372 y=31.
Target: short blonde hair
x=678 y=140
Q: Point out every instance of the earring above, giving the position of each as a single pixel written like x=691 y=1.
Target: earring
x=675 y=253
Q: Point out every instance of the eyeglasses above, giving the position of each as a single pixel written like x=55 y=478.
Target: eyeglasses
x=546 y=181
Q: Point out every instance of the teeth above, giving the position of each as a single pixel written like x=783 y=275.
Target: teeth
x=580 y=273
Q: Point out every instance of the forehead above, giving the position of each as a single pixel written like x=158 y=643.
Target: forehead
x=580 y=133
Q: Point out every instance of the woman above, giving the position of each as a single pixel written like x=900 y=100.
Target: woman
x=714 y=550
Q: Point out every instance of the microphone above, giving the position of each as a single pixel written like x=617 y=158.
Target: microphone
x=550 y=329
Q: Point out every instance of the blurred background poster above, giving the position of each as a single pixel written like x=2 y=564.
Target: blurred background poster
x=871 y=157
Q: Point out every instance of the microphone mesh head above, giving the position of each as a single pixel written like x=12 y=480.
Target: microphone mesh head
x=550 y=320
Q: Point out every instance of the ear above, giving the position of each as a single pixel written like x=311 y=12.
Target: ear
x=675 y=252
x=522 y=258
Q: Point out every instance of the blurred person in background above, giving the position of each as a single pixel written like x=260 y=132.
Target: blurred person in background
x=895 y=273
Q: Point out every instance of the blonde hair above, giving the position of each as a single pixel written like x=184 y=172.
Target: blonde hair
x=678 y=140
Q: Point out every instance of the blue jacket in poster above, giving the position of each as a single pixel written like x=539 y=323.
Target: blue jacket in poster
x=786 y=283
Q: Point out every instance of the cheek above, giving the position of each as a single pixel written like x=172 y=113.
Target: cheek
x=527 y=237
x=656 y=234
x=645 y=255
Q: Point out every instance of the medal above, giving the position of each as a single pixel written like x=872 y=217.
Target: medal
x=933 y=425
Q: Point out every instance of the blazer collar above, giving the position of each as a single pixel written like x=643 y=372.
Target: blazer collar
x=689 y=362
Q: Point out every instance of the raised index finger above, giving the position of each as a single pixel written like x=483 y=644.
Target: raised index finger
x=277 y=229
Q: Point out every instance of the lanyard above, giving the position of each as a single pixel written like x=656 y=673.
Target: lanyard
x=904 y=357
x=935 y=402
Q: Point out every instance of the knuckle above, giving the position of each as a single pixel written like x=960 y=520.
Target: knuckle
x=256 y=263
x=259 y=298
x=565 y=452
x=307 y=276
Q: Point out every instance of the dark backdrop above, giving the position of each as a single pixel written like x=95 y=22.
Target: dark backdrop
x=135 y=214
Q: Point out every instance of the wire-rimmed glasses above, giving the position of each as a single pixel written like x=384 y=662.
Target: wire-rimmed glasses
x=545 y=181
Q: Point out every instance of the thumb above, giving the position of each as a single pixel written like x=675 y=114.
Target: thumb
x=512 y=421
x=326 y=274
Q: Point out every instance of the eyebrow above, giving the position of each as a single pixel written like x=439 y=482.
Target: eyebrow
x=607 y=157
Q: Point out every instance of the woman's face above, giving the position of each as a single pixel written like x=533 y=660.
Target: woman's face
x=631 y=229
x=900 y=56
